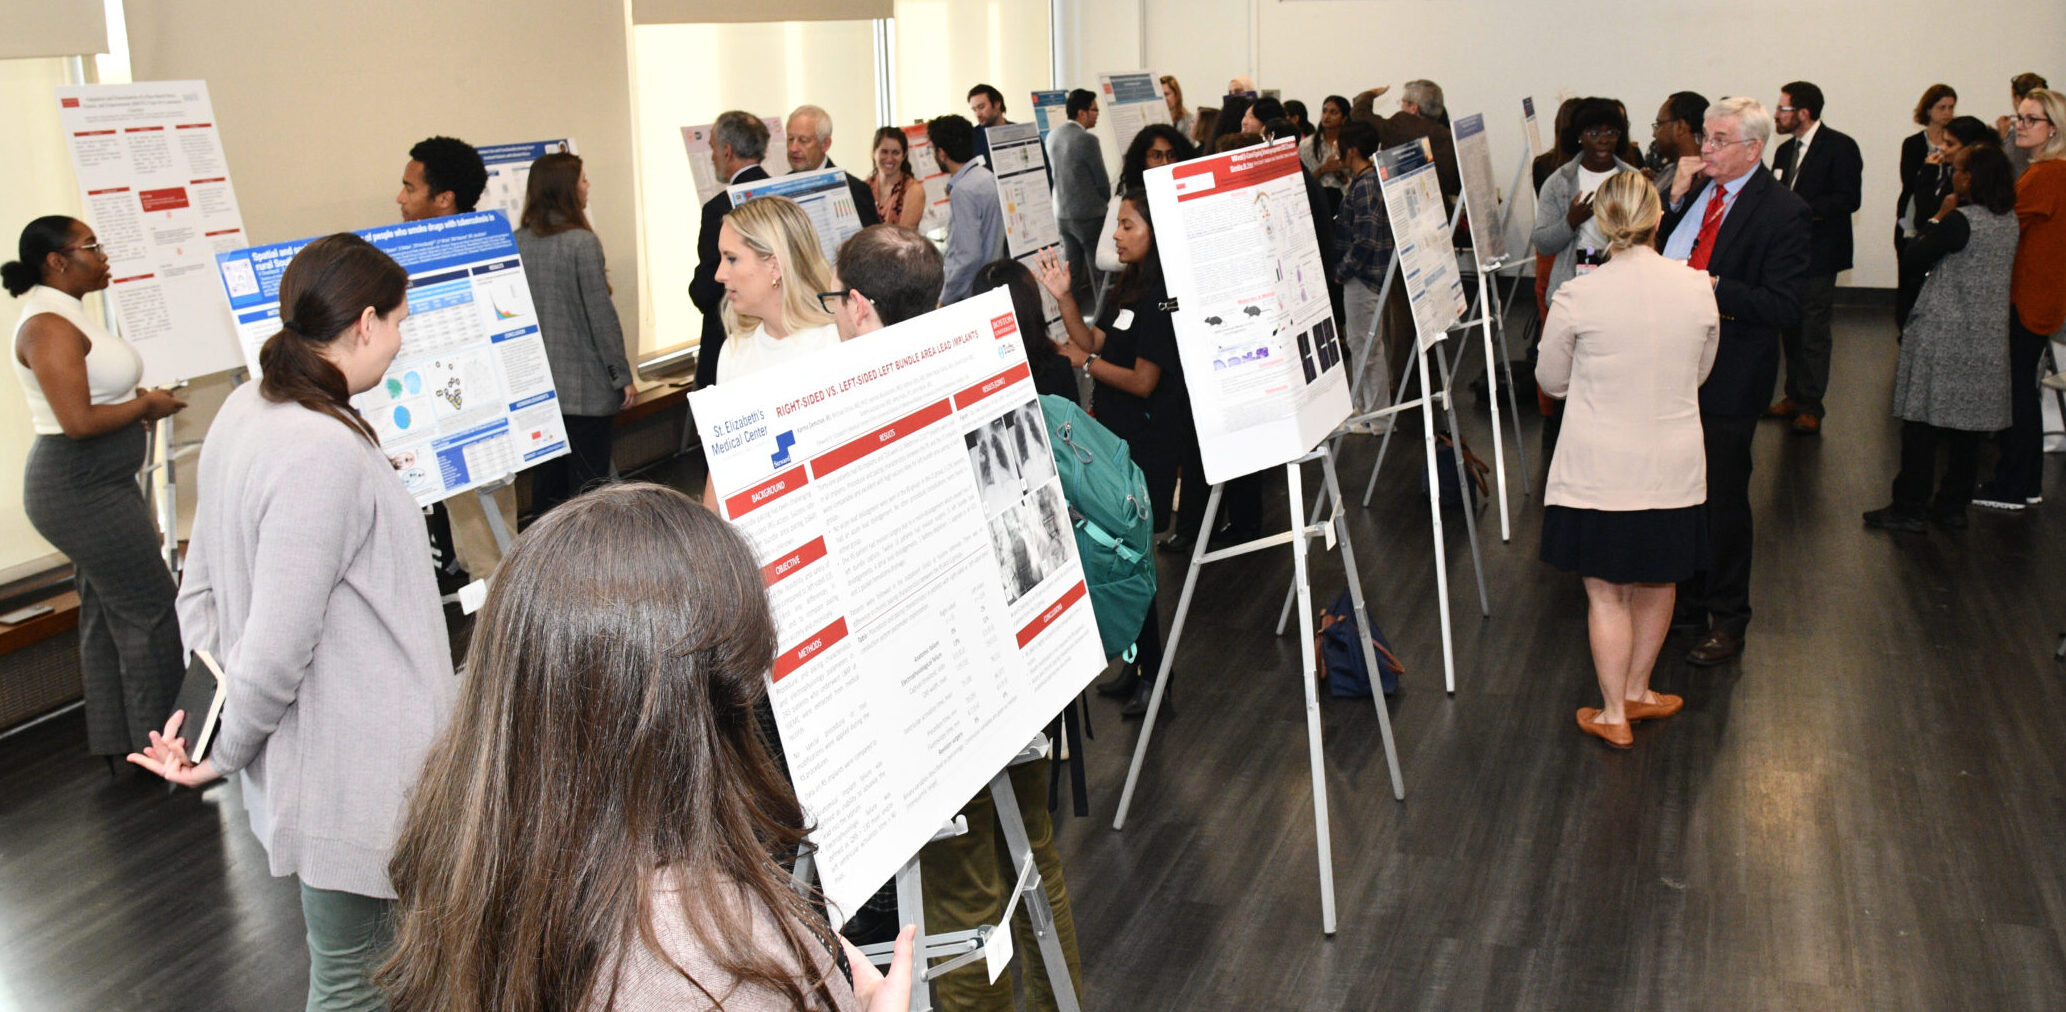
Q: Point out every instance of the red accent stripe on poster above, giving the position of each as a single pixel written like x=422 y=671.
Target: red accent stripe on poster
x=193 y=126
x=788 y=565
x=68 y=103
x=812 y=646
x=198 y=182
x=224 y=231
x=840 y=456
x=1054 y=611
x=141 y=130
x=1231 y=171
x=139 y=277
x=990 y=386
x=111 y=189
x=169 y=199
x=766 y=492
x=91 y=133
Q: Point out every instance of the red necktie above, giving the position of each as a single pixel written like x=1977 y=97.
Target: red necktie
x=1710 y=226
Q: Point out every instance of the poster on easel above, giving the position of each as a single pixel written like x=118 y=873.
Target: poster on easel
x=930 y=609
x=1480 y=193
x=1132 y=101
x=509 y=174
x=919 y=148
x=1020 y=162
x=157 y=193
x=1532 y=127
x=824 y=197
x=469 y=399
x=1049 y=109
x=1261 y=352
x=696 y=139
x=1421 y=237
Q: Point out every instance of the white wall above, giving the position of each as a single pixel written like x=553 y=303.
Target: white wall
x=1872 y=60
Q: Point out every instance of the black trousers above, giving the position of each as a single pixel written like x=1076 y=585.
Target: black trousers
x=2020 y=471
x=586 y=464
x=1919 y=443
x=1806 y=346
x=1721 y=594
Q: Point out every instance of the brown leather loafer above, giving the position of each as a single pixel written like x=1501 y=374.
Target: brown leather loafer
x=1617 y=735
x=1783 y=409
x=1807 y=424
x=1666 y=705
x=1714 y=648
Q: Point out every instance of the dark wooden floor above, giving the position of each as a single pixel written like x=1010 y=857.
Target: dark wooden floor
x=1867 y=811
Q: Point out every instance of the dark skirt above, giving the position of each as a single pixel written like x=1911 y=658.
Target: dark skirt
x=1626 y=546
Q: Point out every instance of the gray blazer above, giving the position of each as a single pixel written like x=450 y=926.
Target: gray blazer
x=1081 y=184
x=1954 y=368
x=1553 y=232
x=584 y=344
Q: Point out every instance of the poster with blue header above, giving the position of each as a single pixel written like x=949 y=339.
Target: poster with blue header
x=509 y=173
x=469 y=399
x=1049 y=109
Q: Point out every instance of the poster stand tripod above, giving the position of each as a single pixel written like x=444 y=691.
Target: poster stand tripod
x=1334 y=528
x=960 y=948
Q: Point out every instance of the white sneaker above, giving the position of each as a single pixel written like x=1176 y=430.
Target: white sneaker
x=2009 y=505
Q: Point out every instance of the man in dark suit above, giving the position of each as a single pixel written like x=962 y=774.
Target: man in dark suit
x=1824 y=168
x=1726 y=215
x=810 y=143
x=738 y=141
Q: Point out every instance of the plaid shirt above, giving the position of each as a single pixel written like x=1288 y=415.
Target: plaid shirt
x=1362 y=232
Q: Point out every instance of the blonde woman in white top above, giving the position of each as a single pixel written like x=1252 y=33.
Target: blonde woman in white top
x=79 y=488
x=1628 y=347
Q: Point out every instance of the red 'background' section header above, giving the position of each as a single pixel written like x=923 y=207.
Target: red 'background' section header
x=766 y=492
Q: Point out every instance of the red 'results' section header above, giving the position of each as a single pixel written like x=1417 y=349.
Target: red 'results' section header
x=795 y=657
x=990 y=386
x=766 y=492
x=854 y=449
x=1054 y=611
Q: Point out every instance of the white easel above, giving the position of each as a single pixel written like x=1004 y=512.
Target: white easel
x=1334 y=528
x=960 y=948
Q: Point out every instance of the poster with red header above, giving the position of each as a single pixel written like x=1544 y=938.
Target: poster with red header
x=157 y=192
x=927 y=168
x=930 y=609
x=1261 y=350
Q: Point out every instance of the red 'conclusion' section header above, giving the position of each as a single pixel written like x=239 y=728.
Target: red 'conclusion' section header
x=1054 y=611
x=1203 y=177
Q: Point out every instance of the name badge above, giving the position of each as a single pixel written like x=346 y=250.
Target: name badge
x=1124 y=321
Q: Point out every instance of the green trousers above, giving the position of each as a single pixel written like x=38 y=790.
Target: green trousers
x=968 y=881
x=348 y=936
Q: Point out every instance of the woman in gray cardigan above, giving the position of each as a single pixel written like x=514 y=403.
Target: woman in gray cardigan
x=1563 y=209
x=307 y=578
x=1952 y=384
x=584 y=344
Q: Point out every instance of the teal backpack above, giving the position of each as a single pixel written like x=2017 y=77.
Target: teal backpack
x=1108 y=505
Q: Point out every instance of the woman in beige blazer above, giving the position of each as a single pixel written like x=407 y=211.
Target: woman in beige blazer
x=1627 y=346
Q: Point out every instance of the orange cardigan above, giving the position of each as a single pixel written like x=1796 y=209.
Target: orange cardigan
x=2037 y=286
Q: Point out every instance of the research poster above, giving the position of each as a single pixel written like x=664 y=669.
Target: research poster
x=1421 y=238
x=1532 y=127
x=157 y=192
x=919 y=147
x=1261 y=352
x=509 y=174
x=1132 y=101
x=1049 y=109
x=931 y=613
x=1480 y=193
x=697 y=140
x=824 y=197
x=469 y=398
x=1020 y=162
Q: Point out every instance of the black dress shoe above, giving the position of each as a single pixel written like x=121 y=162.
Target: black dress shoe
x=1949 y=520
x=1894 y=518
x=1179 y=544
x=1717 y=646
x=1137 y=707
x=1121 y=685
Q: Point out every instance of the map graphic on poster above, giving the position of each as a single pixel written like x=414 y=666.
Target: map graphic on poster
x=157 y=192
x=1421 y=237
x=1255 y=331
x=469 y=398
x=824 y=197
x=1020 y=162
x=927 y=169
x=1049 y=108
x=509 y=173
x=697 y=140
x=1480 y=193
x=1132 y=101
x=930 y=610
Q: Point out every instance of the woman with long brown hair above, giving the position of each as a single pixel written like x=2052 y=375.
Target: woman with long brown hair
x=584 y=343
x=307 y=577
x=899 y=196
x=602 y=826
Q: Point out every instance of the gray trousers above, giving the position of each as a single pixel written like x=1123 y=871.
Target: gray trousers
x=1807 y=346
x=1080 y=248
x=82 y=496
x=348 y=936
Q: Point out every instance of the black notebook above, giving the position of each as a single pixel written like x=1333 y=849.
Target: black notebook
x=201 y=697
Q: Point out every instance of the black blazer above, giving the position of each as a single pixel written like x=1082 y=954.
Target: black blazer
x=1831 y=181
x=704 y=289
x=1761 y=257
x=864 y=198
x=1918 y=176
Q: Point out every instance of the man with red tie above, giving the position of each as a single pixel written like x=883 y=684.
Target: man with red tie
x=1727 y=216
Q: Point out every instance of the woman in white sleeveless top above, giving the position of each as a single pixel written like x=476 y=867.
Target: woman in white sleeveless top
x=80 y=489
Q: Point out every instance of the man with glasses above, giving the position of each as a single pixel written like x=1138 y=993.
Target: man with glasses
x=1676 y=134
x=1727 y=216
x=887 y=274
x=1824 y=168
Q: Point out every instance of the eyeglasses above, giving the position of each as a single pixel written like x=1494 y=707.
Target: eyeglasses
x=1661 y=123
x=1786 y=108
x=1718 y=143
x=1600 y=131
x=2031 y=121
x=90 y=247
x=829 y=301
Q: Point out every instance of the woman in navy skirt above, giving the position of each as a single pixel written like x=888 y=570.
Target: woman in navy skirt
x=1627 y=347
